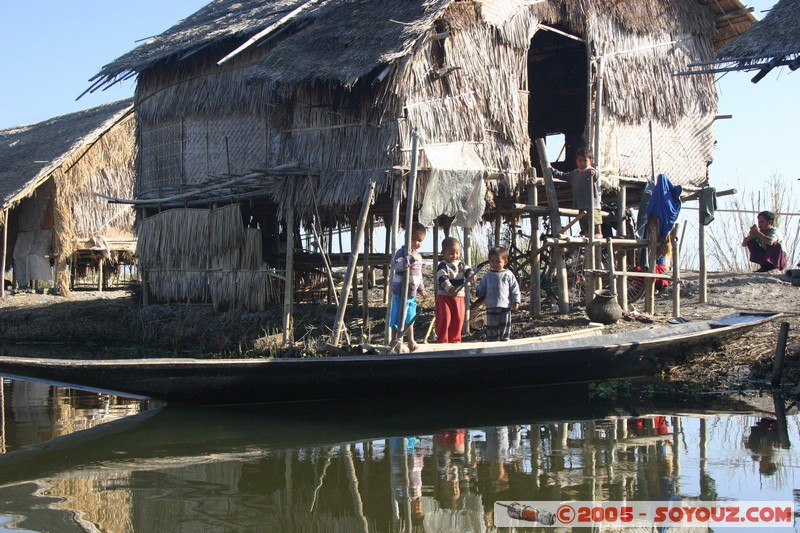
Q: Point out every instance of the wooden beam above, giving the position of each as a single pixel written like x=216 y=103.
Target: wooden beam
x=4 y=251
x=266 y=31
x=555 y=224
x=536 y=242
x=397 y=194
x=288 y=286
x=676 y=268
x=410 y=194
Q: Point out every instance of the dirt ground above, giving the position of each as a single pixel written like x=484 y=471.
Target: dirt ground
x=112 y=323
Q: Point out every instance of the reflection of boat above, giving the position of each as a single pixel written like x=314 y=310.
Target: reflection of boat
x=479 y=366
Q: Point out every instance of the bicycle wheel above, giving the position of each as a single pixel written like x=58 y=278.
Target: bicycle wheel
x=635 y=289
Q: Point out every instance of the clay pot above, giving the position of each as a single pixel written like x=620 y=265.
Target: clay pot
x=604 y=308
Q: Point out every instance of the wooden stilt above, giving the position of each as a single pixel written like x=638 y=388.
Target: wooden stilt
x=355 y=274
x=435 y=280
x=555 y=221
x=497 y=225
x=536 y=243
x=410 y=195
x=676 y=271
x=652 y=257
x=622 y=260
x=4 y=251
x=288 y=289
x=467 y=285
x=701 y=241
x=366 y=281
x=338 y=325
x=100 y=263
x=332 y=288
x=780 y=352
x=397 y=194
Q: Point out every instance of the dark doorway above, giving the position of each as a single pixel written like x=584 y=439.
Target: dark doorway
x=558 y=79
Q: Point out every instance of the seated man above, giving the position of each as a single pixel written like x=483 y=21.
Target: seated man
x=764 y=244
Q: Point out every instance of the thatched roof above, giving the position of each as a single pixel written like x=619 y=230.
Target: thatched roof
x=30 y=154
x=343 y=40
x=771 y=42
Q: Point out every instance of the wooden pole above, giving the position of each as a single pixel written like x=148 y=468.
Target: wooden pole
x=622 y=260
x=467 y=285
x=435 y=280
x=100 y=263
x=594 y=250
x=410 y=194
x=288 y=286
x=497 y=224
x=701 y=241
x=338 y=325
x=536 y=243
x=397 y=194
x=555 y=220
x=4 y=250
x=611 y=272
x=652 y=253
x=366 y=280
x=780 y=352
x=355 y=274
x=676 y=272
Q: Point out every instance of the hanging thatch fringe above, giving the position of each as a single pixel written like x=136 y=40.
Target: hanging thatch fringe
x=197 y=255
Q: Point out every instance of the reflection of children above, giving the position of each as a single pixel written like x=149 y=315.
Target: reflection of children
x=584 y=184
x=450 y=466
x=502 y=293
x=763 y=438
x=411 y=261
x=451 y=276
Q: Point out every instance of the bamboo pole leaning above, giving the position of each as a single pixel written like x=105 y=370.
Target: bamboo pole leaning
x=555 y=224
x=352 y=263
x=4 y=251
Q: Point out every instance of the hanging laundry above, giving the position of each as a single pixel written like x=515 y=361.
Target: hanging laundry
x=708 y=204
x=665 y=204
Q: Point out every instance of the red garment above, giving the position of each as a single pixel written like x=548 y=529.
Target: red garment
x=450 y=312
x=659 y=284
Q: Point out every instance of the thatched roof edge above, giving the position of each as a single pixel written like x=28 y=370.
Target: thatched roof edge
x=30 y=154
x=340 y=41
x=777 y=36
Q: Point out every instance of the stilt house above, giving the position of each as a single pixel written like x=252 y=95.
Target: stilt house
x=49 y=174
x=254 y=113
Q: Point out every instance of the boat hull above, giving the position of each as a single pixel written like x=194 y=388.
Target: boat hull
x=483 y=367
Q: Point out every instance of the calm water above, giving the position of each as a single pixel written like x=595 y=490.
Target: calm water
x=77 y=461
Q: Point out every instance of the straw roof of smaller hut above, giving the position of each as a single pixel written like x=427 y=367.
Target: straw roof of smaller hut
x=767 y=44
x=29 y=155
x=775 y=40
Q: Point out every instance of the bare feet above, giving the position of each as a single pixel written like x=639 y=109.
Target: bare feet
x=412 y=346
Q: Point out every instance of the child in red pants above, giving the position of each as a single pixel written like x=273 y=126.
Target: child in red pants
x=451 y=276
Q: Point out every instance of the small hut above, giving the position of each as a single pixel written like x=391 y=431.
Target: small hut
x=49 y=174
x=770 y=43
x=256 y=117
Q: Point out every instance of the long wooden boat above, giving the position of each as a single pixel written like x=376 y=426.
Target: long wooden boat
x=438 y=368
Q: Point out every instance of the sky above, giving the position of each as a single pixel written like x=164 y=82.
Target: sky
x=50 y=49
